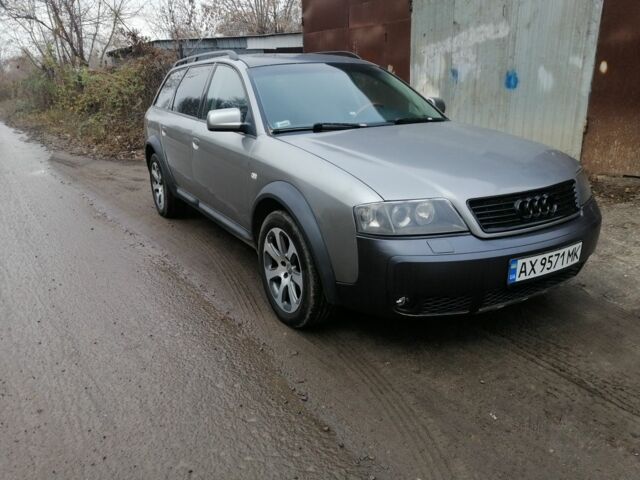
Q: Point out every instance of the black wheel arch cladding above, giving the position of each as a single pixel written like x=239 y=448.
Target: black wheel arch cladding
x=296 y=205
x=153 y=146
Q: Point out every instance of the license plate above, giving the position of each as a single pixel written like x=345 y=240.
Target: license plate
x=531 y=267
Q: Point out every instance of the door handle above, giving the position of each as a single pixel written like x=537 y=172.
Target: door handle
x=163 y=131
x=196 y=143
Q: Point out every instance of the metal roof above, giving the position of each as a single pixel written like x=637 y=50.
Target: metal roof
x=248 y=44
x=265 y=59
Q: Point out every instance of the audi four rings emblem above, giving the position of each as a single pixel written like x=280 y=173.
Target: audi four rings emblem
x=540 y=206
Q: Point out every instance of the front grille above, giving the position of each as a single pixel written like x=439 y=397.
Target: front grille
x=499 y=213
x=516 y=292
x=444 y=305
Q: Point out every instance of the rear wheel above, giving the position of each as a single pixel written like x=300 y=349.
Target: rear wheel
x=289 y=275
x=165 y=201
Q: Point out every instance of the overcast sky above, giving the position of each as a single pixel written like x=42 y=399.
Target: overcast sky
x=140 y=22
x=147 y=8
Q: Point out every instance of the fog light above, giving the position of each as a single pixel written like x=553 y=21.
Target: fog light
x=402 y=301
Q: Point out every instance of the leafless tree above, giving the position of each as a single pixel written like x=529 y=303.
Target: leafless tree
x=186 y=22
x=257 y=17
x=71 y=32
x=182 y=19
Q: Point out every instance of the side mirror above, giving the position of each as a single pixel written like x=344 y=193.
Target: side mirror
x=438 y=103
x=226 y=120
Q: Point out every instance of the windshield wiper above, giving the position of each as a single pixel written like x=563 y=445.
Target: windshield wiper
x=320 y=127
x=327 y=126
x=291 y=129
x=406 y=120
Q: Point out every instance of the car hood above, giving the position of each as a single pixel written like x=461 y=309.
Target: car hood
x=445 y=159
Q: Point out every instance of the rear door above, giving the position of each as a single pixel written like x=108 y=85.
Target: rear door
x=161 y=115
x=178 y=127
x=221 y=164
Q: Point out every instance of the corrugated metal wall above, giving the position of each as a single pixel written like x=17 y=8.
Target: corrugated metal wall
x=281 y=42
x=523 y=67
x=612 y=142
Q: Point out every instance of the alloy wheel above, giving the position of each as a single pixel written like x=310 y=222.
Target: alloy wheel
x=157 y=184
x=283 y=270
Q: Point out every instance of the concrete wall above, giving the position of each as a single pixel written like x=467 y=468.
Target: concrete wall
x=523 y=67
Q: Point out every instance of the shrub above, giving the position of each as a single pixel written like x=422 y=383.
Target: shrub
x=100 y=107
x=36 y=92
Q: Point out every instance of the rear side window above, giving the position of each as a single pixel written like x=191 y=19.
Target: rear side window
x=166 y=93
x=189 y=92
x=226 y=91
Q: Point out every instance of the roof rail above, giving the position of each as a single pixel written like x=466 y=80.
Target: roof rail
x=201 y=56
x=341 y=53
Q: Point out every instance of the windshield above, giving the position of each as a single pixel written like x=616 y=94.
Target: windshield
x=299 y=96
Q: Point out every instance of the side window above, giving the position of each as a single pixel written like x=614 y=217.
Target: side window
x=166 y=93
x=226 y=91
x=189 y=92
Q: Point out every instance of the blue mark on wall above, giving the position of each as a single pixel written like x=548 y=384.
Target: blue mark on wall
x=511 y=80
x=455 y=75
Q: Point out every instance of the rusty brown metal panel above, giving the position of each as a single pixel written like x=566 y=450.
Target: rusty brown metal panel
x=384 y=45
x=320 y=15
x=377 y=30
x=398 y=51
x=612 y=141
x=368 y=42
x=378 y=12
x=327 y=40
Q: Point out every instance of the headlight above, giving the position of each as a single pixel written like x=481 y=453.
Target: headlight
x=416 y=217
x=583 y=187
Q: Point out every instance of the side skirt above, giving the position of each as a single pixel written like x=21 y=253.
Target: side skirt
x=225 y=222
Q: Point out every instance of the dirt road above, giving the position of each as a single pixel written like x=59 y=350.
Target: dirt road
x=136 y=347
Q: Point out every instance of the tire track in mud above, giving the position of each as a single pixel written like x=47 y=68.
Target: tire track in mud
x=611 y=392
x=615 y=389
x=565 y=411
x=234 y=275
x=37 y=302
x=203 y=239
x=229 y=271
x=400 y=416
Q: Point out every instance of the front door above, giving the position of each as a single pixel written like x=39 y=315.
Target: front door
x=221 y=163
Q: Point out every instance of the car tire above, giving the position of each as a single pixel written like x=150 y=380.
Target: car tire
x=167 y=204
x=289 y=274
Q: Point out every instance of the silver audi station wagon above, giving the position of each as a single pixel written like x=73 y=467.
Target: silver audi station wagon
x=356 y=191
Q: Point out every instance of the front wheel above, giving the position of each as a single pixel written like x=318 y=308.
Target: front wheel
x=288 y=273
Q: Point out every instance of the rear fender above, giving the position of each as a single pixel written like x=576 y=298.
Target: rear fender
x=153 y=143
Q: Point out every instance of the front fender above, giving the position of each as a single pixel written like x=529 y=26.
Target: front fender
x=297 y=206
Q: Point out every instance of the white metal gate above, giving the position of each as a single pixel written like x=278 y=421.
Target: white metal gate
x=520 y=66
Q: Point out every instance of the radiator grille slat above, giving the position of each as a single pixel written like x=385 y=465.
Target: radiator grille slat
x=498 y=214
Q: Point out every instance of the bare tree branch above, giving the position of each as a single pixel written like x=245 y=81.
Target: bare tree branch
x=257 y=17
x=76 y=32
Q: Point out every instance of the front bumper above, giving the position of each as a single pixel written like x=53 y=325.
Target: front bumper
x=459 y=274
